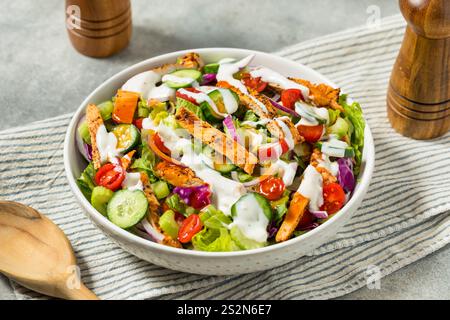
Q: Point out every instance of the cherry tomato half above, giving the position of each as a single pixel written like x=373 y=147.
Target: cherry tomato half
x=333 y=197
x=160 y=144
x=273 y=150
x=290 y=96
x=189 y=228
x=110 y=176
x=254 y=83
x=138 y=123
x=310 y=133
x=272 y=188
x=186 y=97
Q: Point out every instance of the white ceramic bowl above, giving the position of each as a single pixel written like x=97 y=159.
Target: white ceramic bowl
x=222 y=263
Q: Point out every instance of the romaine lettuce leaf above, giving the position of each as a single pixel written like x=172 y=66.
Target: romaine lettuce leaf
x=86 y=181
x=354 y=114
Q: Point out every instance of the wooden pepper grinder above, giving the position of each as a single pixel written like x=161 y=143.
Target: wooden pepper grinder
x=418 y=97
x=99 y=28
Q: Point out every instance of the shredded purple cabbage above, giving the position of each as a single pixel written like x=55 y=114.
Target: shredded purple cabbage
x=320 y=214
x=272 y=229
x=345 y=177
x=201 y=195
x=308 y=227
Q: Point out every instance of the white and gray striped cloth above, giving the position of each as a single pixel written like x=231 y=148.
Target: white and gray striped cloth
x=405 y=216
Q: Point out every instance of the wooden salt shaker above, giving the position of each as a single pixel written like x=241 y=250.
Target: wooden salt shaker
x=99 y=28
x=418 y=97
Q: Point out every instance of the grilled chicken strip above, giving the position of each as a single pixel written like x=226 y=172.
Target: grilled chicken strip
x=94 y=121
x=153 y=214
x=177 y=175
x=316 y=158
x=322 y=95
x=217 y=140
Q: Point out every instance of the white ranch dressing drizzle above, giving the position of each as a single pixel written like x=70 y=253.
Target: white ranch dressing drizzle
x=107 y=145
x=132 y=181
x=227 y=70
x=268 y=75
x=311 y=187
x=331 y=166
x=230 y=103
x=161 y=93
x=334 y=147
x=286 y=170
x=254 y=124
x=287 y=133
x=251 y=220
x=180 y=80
x=142 y=83
x=225 y=192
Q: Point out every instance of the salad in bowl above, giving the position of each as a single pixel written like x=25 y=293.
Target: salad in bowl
x=220 y=157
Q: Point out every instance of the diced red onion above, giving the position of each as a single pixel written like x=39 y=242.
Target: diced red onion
x=228 y=122
x=320 y=214
x=284 y=109
x=276 y=97
x=208 y=78
x=157 y=236
x=345 y=177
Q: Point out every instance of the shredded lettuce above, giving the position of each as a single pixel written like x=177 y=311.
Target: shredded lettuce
x=86 y=181
x=213 y=218
x=280 y=207
x=354 y=114
x=250 y=116
x=214 y=240
x=182 y=103
x=175 y=203
x=146 y=162
x=215 y=237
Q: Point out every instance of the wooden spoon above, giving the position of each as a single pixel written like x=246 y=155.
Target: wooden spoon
x=36 y=253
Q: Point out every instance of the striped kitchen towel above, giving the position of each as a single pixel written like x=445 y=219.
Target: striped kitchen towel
x=405 y=215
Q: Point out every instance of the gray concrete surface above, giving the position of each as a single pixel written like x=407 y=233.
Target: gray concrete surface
x=42 y=76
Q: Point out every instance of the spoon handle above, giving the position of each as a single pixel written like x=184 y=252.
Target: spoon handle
x=82 y=293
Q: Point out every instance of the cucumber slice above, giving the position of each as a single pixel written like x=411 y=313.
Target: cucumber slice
x=106 y=109
x=263 y=203
x=243 y=242
x=127 y=208
x=127 y=137
x=340 y=128
x=209 y=113
x=168 y=224
x=211 y=68
x=218 y=99
x=83 y=131
x=335 y=151
x=308 y=113
x=100 y=198
x=185 y=78
x=224 y=167
x=160 y=189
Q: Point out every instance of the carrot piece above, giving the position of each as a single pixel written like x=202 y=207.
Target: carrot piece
x=223 y=84
x=126 y=160
x=293 y=217
x=125 y=106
